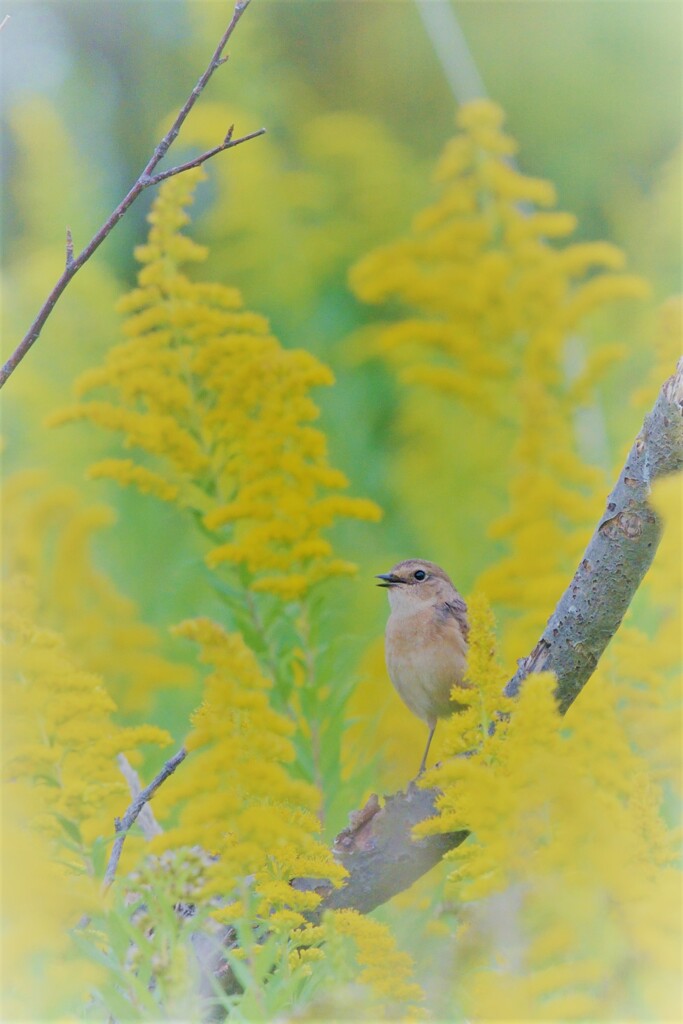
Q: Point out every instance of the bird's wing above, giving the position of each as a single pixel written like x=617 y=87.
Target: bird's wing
x=456 y=609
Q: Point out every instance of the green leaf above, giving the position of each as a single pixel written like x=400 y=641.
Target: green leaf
x=93 y=952
x=71 y=829
x=98 y=854
x=120 y=1008
x=49 y=780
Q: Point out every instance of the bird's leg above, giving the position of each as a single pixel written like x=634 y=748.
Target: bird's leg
x=424 y=756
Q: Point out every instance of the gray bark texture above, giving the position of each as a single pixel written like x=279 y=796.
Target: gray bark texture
x=378 y=851
x=377 y=848
x=617 y=557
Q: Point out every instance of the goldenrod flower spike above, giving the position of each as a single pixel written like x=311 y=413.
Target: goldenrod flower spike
x=202 y=387
x=479 y=275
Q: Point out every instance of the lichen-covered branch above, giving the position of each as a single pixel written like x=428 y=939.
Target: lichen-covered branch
x=145 y=180
x=617 y=557
x=377 y=848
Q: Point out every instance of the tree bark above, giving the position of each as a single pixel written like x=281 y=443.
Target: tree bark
x=617 y=557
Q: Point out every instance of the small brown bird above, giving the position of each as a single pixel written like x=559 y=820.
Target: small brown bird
x=426 y=640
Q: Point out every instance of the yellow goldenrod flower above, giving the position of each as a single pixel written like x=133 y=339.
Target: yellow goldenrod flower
x=225 y=413
x=256 y=819
x=52 y=533
x=61 y=724
x=61 y=792
x=567 y=845
x=384 y=969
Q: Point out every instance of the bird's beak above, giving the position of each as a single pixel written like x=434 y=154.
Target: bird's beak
x=389 y=579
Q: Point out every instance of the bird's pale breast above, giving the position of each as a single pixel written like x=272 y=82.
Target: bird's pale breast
x=426 y=655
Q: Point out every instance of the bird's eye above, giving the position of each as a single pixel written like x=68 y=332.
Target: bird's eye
x=420 y=575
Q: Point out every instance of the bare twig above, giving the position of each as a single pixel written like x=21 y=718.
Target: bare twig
x=4 y=22
x=203 y=157
x=149 y=825
x=122 y=825
x=378 y=849
x=144 y=181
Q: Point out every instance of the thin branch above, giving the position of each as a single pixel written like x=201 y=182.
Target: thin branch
x=123 y=825
x=149 y=825
x=4 y=22
x=229 y=143
x=377 y=848
x=144 y=181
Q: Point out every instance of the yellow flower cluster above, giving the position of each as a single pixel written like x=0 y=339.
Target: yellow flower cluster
x=61 y=791
x=568 y=851
x=479 y=273
x=385 y=971
x=555 y=498
x=220 y=417
x=62 y=740
x=52 y=530
x=259 y=821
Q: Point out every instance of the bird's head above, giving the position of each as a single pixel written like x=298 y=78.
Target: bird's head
x=415 y=582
